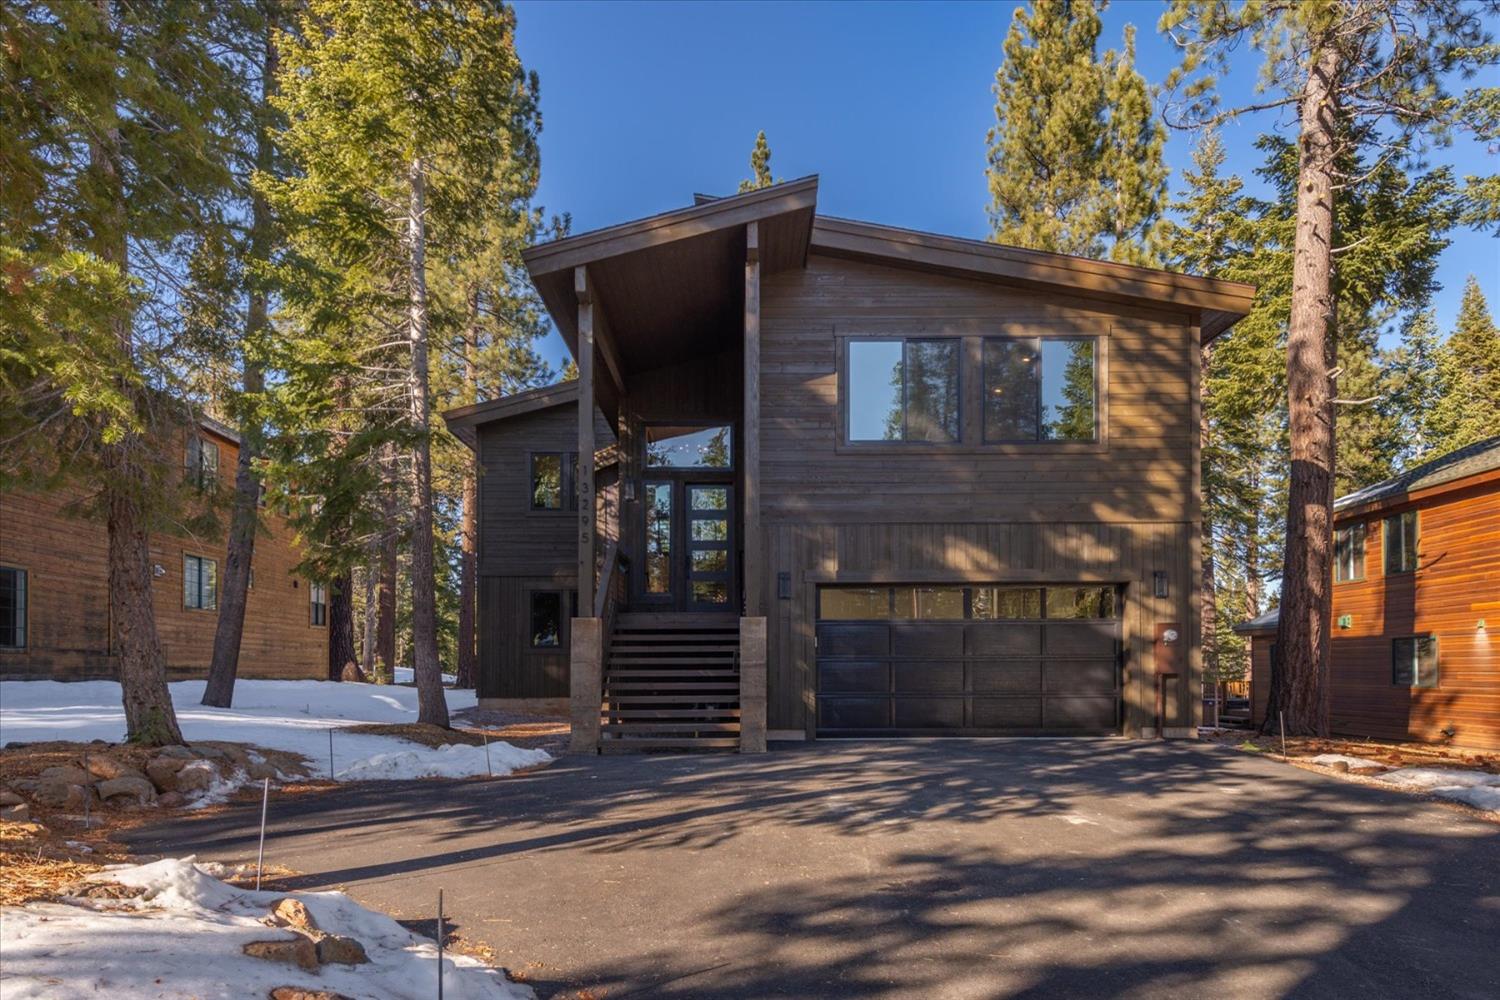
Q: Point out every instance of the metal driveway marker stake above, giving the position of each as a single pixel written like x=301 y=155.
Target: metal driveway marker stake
x=1282 y=717
x=260 y=853
x=488 y=770
x=440 y=944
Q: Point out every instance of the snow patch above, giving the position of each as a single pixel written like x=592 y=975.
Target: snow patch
x=183 y=938
x=285 y=715
x=1342 y=758
x=1479 y=789
x=406 y=675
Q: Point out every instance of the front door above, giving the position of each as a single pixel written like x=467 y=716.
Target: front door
x=688 y=547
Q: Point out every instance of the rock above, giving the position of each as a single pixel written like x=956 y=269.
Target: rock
x=299 y=951
x=291 y=912
x=352 y=674
x=107 y=767
x=66 y=773
x=177 y=751
x=1340 y=766
x=138 y=789
x=163 y=772
x=210 y=753
x=197 y=776
x=302 y=993
x=57 y=794
x=27 y=785
x=19 y=812
x=171 y=800
x=9 y=798
x=1368 y=769
x=340 y=950
x=260 y=770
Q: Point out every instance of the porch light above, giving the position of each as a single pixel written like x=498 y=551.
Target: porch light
x=1480 y=626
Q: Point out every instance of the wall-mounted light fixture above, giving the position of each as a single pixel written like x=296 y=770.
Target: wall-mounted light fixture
x=1480 y=626
x=158 y=570
x=1159 y=583
x=1346 y=621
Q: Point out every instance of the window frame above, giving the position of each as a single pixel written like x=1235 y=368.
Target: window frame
x=846 y=397
x=1416 y=542
x=568 y=477
x=1339 y=576
x=1116 y=599
x=315 y=591
x=197 y=446
x=971 y=336
x=1039 y=340
x=202 y=561
x=668 y=471
x=23 y=625
x=567 y=603
x=1415 y=665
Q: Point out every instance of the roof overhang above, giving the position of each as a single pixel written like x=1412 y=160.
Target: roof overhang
x=1216 y=304
x=462 y=420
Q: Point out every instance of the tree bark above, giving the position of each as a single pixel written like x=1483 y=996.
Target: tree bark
x=432 y=707
x=468 y=656
x=149 y=716
x=243 y=519
x=340 y=626
x=1303 y=633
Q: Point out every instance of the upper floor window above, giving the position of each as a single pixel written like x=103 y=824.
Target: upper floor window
x=1040 y=389
x=317 y=594
x=12 y=608
x=553 y=475
x=1401 y=542
x=200 y=583
x=1414 y=661
x=202 y=462
x=689 y=447
x=903 y=390
x=1349 y=553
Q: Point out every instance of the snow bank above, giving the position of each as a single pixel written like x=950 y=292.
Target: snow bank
x=1479 y=789
x=1342 y=758
x=183 y=938
x=285 y=715
x=406 y=675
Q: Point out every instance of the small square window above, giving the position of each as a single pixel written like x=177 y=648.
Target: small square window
x=12 y=608
x=200 y=583
x=903 y=390
x=1414 y=661
x=317 y=595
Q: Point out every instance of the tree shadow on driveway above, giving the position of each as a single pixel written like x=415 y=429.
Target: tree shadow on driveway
x=964 y=868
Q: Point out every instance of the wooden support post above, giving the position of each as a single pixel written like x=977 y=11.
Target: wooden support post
x=750 y=433
x=585 y=477
x=585 y=683
x=1195 y=665
x=752 y=685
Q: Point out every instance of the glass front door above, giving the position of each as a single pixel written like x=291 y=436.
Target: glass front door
x=687 y=546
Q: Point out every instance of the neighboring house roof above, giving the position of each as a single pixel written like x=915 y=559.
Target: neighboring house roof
x=1473 y=460
x=1262 y=623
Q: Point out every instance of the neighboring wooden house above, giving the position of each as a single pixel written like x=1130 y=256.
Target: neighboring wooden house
x=870 y=482
x=1416 y=606
x=54 y=596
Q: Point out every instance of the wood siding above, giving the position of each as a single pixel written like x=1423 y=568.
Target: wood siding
x=1113 y=511
x=1456 y=583
x=64 y=555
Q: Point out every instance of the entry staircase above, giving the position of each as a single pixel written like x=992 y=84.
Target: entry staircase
x=671 y=682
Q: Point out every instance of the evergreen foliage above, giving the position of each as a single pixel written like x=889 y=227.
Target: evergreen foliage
x=1466 y=401
x=760 y=166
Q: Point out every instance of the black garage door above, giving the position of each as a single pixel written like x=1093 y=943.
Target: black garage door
x=969 y=660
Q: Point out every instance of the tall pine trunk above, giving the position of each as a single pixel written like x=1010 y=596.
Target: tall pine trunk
x=468 y=656
x=340 y=626
x=149 y=717
x=432 y=708
x=243 y=519
x=1303 y=633
x=367 y=645
x=385 y=630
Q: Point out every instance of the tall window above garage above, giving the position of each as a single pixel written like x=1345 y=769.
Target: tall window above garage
x=1040 y=389
x=903 y=390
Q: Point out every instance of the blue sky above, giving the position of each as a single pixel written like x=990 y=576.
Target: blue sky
x=644 y=104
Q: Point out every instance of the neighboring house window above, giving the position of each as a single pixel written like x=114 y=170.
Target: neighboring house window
x=903 y=390
x=549 y=618
x=200 y=583
x=1401 y=542
x=202 y=462
x=1040 y=389
x=317 y=594
x=553 y=475
x=12 y=608
x=1414 y=661
x=1349 y=553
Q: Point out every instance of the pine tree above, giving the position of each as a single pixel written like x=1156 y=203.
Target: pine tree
x=760 y=166
x=1075 y=155
x=1360 y=74
x=1415 y=388
x=1467 y=408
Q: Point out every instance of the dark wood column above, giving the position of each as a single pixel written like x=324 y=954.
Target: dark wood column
x=750 y=429
x=585 y=361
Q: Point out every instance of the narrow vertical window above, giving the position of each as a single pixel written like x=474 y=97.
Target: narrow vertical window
x=200 y=583
x=1400 y=532
x=202 y=463
x=317 y=595
x=658 y=538
x=1349 y=553
x=12 y=608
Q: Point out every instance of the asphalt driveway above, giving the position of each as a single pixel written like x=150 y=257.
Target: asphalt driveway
x=956 y=868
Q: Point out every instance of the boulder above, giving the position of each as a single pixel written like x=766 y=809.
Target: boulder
x=259 y=770
x=163 y=772
x=58 y=794
x=299 y=951
x=18 y=812
x=1339 y=766
x=339 y=950
x=66 y=773
x=105 y=768
x=171 y=800
x=198 y=776
x=177 y=751
x=351 y=674
x=291 y=912
x=9 y=798
x=210 y=753
x=303 y=993
x=136 y=789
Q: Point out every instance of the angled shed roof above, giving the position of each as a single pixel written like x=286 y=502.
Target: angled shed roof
x=1473 y=460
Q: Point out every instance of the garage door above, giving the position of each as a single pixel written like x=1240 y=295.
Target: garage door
x=968 y=660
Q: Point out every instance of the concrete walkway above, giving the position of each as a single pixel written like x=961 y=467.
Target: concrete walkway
x=957 y=868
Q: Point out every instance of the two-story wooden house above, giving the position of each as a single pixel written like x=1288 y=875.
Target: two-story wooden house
x=865 y=481
x=1416 y=606
x=54 y=594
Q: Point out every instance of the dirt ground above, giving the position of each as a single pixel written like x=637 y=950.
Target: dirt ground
x=1386 y=752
